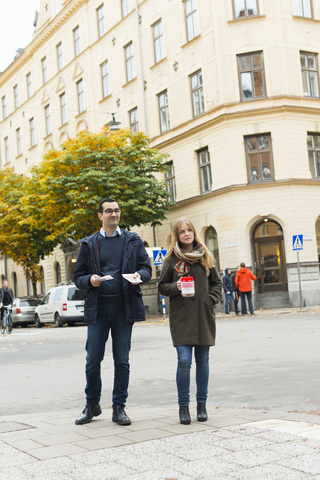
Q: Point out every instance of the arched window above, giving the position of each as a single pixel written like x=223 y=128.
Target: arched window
x=15 y=284
x=42 y=288
x=58 y=273
x=212 y=244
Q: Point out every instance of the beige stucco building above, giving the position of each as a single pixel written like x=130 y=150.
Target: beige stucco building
x=230 y=90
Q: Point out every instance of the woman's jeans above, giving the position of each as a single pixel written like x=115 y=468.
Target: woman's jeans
x=110 y=316
x=201 y=353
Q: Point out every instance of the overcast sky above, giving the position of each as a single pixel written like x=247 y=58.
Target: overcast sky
x=16 y=29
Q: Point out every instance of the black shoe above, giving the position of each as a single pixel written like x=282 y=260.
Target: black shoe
x=202 y=415
x=227 y=313
x=184 y=415
x=244 y=313
x=119 y=416
x=252 y=313
x=88 y=413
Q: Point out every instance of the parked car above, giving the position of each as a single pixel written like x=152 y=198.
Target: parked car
x=23 y=310
x=62 y=304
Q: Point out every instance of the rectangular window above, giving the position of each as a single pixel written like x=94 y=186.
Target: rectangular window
x=164 y=112
x=6 y=147
x=259 y=158
x=205 y=171
x=192 y=19
x=251 y=76
x=80 y=96
x=197 y=93
x=313 y=142
x=29 y=85
x=245 y=8
x=32 y=132
x=101 y=21
x=309 y=70
x=57 y=6
x=19 y=143
x=76 y=37
x=171 y=181
x=4 y=107
x=131 y=73
x=60 y=56
x=16 y=96
x=48 y=119
x=134 y=120
x=44 y=70
x=125 y=7
x=303 y=8
x=158 y=41
x=105 y=79
x=63 y=106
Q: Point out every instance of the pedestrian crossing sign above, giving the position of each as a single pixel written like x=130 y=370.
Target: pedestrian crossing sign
x=158 y=256
x=297 y=242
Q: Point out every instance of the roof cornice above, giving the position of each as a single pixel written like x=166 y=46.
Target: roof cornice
x=40 y=39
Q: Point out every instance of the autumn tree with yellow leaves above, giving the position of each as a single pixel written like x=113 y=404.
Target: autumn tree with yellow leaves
x=61 y=196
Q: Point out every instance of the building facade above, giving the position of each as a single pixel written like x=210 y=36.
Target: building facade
x=230 y=90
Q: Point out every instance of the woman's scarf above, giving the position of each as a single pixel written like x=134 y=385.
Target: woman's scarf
x=189 y=258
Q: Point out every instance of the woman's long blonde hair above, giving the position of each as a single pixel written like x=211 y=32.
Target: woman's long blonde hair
x=208 y=257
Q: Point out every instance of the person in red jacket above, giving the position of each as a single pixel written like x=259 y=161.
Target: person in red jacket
x=243 y=283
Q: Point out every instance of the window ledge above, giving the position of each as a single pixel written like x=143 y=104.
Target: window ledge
x=235 y=20
x=190 y=41
x=33 y=146
x=254 y=99
x=130 y=81
x=18 y=156
x=298 y=17
x=47 y=136
x=62 y=126
x=105 y=98
x=158 y=63
x=258 y=182
x=84 y=111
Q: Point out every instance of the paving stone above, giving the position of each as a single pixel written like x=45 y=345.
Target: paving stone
x=151 y=462
x=201 y=469
x=6 y=427
x=102 y=442
x=144 y=435
x=309 y=463
x=253 y=457
x=10 y=457
x=270 y=472
x=55 y=451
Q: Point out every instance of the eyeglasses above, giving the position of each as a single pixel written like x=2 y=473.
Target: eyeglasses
x=109 y=211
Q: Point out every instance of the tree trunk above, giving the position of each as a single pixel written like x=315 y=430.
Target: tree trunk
x=34 y=284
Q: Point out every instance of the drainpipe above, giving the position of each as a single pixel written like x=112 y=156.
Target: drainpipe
x=5 y=266
x=143 y=95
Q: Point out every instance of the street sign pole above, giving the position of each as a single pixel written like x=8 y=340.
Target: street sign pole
x=299 y=276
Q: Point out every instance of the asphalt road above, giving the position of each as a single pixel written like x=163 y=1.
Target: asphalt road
x=265 y=362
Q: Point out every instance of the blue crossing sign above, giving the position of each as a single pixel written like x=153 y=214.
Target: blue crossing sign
x=297 y=242
x=158 y=256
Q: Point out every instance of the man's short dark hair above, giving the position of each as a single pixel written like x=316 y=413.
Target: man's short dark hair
x=106 y=200
x=242 y=265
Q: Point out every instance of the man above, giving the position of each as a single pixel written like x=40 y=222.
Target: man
x=6 y=297
x=228 y=290
x=243 y=282
x=113 y=304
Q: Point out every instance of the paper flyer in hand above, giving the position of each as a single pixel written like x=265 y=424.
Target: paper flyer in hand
x=131 y=278
x=106 y=277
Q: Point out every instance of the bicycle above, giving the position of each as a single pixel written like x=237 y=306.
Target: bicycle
x=6 y=323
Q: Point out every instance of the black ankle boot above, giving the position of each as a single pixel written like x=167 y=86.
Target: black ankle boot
x=184 y=415
x=202 y=415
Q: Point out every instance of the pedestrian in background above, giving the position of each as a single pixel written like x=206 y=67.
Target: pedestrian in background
x=243 y=282
x=192 y=318
x=236 y=292
x=111 y=305
x=229 y=290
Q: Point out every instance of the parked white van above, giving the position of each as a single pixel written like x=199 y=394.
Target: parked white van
x=62 y=304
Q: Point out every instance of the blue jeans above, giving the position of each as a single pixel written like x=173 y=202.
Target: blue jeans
x=110 y=316
x=201 y=353
x=243 y=296
x=226 y=303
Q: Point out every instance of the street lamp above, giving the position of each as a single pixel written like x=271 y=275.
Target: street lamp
x=113 y=124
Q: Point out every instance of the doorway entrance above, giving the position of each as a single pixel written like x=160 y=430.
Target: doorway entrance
x=270 y=261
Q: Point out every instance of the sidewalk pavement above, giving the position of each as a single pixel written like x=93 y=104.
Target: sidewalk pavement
x=234 y=444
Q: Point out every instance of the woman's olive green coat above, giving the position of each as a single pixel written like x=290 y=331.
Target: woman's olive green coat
x=192 y=319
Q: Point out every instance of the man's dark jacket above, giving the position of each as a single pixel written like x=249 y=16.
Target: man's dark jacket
x=3 y=291
x=135 y=259
x=227 y=281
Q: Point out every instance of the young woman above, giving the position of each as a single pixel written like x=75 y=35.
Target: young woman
x=192 y=319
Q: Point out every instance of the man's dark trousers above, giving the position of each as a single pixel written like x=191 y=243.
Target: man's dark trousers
x=243 y=296
x=110 y=316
